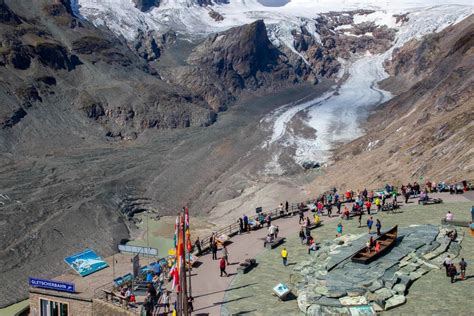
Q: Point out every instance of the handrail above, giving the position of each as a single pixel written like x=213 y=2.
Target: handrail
x=234 y=228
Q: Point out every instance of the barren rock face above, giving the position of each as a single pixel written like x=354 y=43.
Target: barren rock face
x=145 y=5
x=338 y=43
x=229 y=62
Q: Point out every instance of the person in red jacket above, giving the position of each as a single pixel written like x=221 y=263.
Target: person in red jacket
x=222 y=266
x=368 y=205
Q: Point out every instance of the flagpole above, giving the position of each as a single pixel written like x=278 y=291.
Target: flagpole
x=189 y=253
x=184 y=286
x=177 y=264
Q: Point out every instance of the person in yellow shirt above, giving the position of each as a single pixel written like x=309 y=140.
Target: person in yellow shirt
x=284 y=256
x=316 y=219
x=378 y=203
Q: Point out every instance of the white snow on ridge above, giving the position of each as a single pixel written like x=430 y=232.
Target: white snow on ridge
x=378 y=17
x=186 y=16
x=190 y=19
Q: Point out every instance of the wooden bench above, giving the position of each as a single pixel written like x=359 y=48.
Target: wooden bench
x=246 y=266
x=390 y=208
x=275 y=243
x=314 y=225
x=354 y=214
x=455 y=223
x=430 y=201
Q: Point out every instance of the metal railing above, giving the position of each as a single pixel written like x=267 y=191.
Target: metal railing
x=234 y=228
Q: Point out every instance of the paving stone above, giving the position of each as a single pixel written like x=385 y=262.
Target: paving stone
x=383 y=294
x=303 y=302
x=395 y=301
x=326 y=301
x=376 y=285
x=336 y=293
x=389 y=283
x=383 y=280
x=404 y=279
x=377 y=307
x=356 y=300
x=356 y=292
x=314 y=310
x=321 y=290
x=400 y=288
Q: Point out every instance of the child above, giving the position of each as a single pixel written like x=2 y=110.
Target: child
x=339 y=230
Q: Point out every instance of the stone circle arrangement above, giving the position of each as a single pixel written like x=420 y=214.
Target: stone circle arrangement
x=330 y=283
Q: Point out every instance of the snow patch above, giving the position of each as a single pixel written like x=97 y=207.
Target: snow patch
x=371 y=145
x=379 y=18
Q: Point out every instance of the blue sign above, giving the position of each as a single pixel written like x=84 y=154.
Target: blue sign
x=52 y=285
x=86 y=262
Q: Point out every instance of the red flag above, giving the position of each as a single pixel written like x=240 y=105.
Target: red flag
x=188 y=233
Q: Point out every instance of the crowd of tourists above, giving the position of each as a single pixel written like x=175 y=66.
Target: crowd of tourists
x=330 y=204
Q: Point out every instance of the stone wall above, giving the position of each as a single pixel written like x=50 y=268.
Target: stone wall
x=103 y=308
x=77 y=306
x=329 y=282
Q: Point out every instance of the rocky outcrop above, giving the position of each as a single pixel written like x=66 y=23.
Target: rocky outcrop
x=227 y=63
x=146 y=5
x=13 y=119
x=329 y=281
x=216 y=16
x=211 y=2
x=7 y=16
x=91 y=44
x=149 y=44
x=56 y=57
x=321 y=55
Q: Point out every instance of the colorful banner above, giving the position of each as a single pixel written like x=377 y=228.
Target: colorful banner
x=86 y=262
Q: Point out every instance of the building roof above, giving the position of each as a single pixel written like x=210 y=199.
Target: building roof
x=86 y=286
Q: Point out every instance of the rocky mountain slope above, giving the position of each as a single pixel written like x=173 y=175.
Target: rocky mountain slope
x=227 y=63
x=49 y=52
x=68 y=92
x=427 y=131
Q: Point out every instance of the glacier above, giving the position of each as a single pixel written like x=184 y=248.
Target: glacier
x=334 y=116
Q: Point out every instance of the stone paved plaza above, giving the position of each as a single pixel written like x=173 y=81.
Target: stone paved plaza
x=432 y=294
